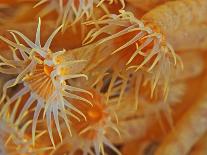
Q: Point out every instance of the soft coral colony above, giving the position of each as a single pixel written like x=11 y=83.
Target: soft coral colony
x=103 y=77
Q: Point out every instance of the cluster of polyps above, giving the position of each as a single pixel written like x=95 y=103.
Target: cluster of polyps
x=81 y=113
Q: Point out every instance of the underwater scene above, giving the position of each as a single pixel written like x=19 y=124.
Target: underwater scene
x=103 y=77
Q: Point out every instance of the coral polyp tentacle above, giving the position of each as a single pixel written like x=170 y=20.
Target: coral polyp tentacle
x=147 y=47
x=102 y=76
x=44 y=79
x=90 y=134
x=14 y=138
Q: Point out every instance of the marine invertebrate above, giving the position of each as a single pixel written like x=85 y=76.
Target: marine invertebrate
x=124 y=86
x=68 y=11
x=42 y=70
x=143 y=46
x=71 y=11
x=91 y=134
x=13 y=132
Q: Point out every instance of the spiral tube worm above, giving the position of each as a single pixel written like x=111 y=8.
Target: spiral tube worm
x=43 y=74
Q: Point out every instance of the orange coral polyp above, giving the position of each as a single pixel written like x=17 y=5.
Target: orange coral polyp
x=40 y=82
x=48 y=69
x=93 y=114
